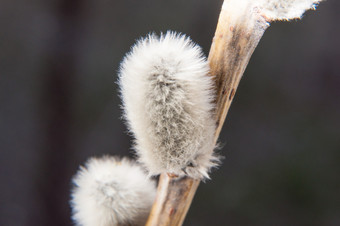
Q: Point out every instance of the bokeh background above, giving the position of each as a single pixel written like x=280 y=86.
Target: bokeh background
x=60 y=106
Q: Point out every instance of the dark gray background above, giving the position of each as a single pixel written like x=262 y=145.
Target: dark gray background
x=59 y=106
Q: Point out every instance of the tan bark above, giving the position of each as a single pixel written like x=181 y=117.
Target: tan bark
x=237 y=35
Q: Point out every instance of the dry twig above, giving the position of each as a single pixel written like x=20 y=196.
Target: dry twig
x=240 y=27
x=233 y=44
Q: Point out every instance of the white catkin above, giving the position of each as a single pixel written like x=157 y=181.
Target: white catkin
x=110 y=191
x=286 y=9
x=272 y=9
x=167 y=98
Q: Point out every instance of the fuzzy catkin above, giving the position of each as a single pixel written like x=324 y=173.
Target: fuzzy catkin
x=167 y=100
x=286 y=9
x=272 y=10
x=110 y=191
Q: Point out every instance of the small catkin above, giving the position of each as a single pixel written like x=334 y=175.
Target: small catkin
x=167 y=98
x=110 y=191
x=286 y=9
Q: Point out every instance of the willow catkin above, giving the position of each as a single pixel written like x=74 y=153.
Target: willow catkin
x=110 y=191
x=168 y=103
x=286 y=9
x=272 y=10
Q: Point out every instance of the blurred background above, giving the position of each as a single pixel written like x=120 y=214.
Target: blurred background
x=60 y=106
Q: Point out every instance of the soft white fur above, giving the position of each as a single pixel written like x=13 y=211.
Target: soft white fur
x=167 y=97
x=286 y=9
x=272 y=9
x=111 y=191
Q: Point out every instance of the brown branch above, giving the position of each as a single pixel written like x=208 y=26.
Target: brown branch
x=174 y=196
x=237 y=35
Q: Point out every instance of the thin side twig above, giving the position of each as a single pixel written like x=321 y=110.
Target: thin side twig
x=237 y=35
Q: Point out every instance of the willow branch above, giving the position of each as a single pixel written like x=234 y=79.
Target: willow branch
x=237 y=35
x=174 y=196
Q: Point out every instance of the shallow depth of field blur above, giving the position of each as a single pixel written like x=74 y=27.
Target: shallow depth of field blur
x=60 y=106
